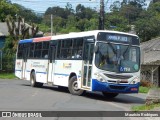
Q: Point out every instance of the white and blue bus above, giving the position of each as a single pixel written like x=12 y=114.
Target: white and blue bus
x=99 y=60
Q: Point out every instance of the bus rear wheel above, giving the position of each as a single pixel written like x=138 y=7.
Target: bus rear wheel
x=33 y=81
x=109 y=95
x=73 y=87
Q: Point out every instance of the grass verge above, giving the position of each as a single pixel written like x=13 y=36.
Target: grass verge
x=145 y=107
x=7 y=76
x=143 y=89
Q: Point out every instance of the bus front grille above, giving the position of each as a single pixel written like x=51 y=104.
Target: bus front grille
x=117 y=76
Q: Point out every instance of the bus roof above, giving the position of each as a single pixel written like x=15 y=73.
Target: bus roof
x=47 y=38
x=86 y=33
x=71 y=35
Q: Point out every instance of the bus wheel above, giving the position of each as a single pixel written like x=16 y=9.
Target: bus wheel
x=109 y=95
x=33 y=81
x=73 y=87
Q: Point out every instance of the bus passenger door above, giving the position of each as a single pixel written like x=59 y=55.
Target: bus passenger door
x=51 y=63
x=87 y=68
x=24 y=60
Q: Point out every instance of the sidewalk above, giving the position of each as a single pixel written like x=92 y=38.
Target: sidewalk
x=153 y=96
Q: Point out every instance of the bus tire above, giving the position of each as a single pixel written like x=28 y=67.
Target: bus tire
x=73 y=87
x=33 y=81
x=109 y=95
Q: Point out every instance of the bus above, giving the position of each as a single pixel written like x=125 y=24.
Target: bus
x=98 y=60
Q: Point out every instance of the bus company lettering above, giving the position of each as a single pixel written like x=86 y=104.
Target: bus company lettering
x=18 y=64
x=67 y=65
x=37 y=65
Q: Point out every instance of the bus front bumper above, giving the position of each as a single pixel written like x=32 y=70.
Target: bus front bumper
x=114 y=88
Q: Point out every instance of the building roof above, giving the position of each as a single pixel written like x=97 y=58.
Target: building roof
x=4 y=29
x=150 y=52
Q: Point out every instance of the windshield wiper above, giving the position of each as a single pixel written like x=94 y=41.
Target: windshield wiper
x=115 y=52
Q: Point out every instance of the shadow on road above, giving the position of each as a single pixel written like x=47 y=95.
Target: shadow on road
x=55 y=88
x=121 y=98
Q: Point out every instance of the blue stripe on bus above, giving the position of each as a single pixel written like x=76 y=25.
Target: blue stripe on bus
x=26 y=41
x=63 y=74
x=42 y=72
x=114 y=88
x=46 y=73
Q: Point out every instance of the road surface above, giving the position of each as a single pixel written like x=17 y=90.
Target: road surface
x=18 y=95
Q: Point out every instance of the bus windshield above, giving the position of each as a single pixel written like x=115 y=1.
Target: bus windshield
x=117 y=57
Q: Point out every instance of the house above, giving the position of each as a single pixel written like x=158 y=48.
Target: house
x=3 y=34
x=150 y=61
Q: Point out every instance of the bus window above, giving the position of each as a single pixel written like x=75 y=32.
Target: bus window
x=20 y=51
x=77 y=48
x=31 y=53
x=66 y=49
x=45 y=48
x=38 y=48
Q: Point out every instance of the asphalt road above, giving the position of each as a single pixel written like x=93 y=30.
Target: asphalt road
x=18 y=95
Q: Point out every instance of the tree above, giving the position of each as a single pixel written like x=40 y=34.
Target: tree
x=130 y=12
x=84 y=12
x=115 y=6
x=116 y=21
x=154 y=1
x=56 y=11
x=68 y=9
x=19 y=30
x=148 y=25
x=137 y=3
x=28 y=14
x=6 y=8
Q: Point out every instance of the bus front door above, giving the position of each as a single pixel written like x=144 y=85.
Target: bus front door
x=51 y=63
x=24 y=61
x=87 y=69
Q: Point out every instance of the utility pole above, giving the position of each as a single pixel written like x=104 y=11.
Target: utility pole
x=51 y=24
x=101 y=16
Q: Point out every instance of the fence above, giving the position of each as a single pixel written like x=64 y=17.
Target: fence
x=6 y=64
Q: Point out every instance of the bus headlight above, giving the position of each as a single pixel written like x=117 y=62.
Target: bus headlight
x=135 y=80
x=100 y=78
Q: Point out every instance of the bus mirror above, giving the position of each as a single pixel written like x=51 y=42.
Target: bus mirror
x=96 y=49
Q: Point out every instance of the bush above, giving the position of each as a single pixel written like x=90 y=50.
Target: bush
x=145 y=83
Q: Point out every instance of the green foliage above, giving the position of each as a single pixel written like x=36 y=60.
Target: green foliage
x=44 y=28
x=143 y=89
x=145 y=107
x=27 y=14
x=148 y=25
x=6 y=8
x=7 y=76
x=65 y=20
x=8 y=55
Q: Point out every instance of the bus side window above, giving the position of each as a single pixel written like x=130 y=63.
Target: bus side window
x=66 y=49
x=38 y=49
x=31 y=53
x=20 y=51
x=45 y=49
x=77 y=48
